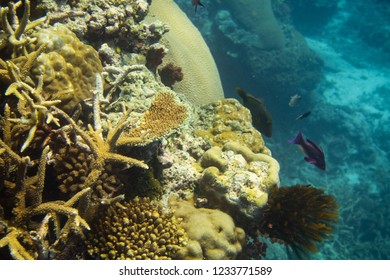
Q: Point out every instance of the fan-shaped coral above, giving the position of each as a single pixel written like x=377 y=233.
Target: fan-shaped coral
x=300 y=215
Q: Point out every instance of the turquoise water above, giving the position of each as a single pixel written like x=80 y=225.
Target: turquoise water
x=340 y=68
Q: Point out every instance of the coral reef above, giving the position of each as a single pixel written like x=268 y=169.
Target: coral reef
x=211 y=234
x=258 y=17
x=116 y=142
x=134 y=230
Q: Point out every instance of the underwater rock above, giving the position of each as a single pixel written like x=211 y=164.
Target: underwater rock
x=258 y=17
x=201 y=82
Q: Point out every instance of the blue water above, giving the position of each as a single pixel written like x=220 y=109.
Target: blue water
x=349 y=100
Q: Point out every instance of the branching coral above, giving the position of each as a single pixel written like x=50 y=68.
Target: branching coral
x=300 y=215
x=32 y=107
x=29 y=203
x=103 y=150
x=138 y=229
x=13 y=33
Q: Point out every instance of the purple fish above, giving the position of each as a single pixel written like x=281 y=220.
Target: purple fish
x=315 y=155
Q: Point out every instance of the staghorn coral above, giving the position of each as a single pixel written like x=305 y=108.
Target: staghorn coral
x=32 y=108
x=227 y=120
x=27 y=202
x=300 y=215
x=211 y=233
x=12 y=33
x=103 y=150
x=136 y=230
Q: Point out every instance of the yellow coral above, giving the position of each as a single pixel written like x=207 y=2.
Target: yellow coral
x=135 y=230
x=163 y=117
x=211 y=233
x=68 y=66
x=230 y=122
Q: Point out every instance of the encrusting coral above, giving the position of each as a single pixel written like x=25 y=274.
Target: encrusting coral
x=227 y=120
x=67 y=66
x=139 y=229
x=237 y=181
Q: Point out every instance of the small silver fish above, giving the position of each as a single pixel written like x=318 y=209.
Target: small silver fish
x=294 y=100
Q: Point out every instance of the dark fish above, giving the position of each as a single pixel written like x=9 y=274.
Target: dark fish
x=304 y=115
x=315 y=155
x=261 y=118
x=196 y=3
x=294 y=100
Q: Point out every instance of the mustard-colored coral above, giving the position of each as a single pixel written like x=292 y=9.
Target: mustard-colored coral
x=211 y=233
x=227 y=120
x=241 y=187
x=164 y=116
x=68 y=66
x=136 y=230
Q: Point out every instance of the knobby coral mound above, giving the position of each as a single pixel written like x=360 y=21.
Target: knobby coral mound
x=227 y=120
x=136 y=230
x=68 y=66
x=300 y=216
x=212 y=234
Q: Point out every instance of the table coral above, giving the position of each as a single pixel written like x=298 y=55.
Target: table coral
x=136 y=230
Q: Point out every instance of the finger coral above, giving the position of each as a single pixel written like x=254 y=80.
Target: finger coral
x=300 y=215
x=136 y=230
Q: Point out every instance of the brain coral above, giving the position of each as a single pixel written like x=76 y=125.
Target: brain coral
x=135 y=230
x=201 y=82
x=68 y=66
